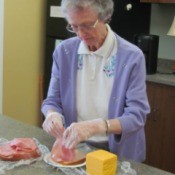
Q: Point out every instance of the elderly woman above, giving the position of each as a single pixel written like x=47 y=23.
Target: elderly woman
x=97 y=90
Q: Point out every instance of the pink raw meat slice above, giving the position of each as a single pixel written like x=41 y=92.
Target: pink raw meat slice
x=19 y=148
x=61 y=153
x=27 y=144
x=66 y=156
x=6 y=151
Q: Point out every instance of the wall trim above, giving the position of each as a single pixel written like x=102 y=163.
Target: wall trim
x=1 y=52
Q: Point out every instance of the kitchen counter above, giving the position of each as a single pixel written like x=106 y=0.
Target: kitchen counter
x=10 y=128
x=167 y=79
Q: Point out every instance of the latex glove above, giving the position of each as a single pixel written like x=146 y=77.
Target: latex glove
x=81 y=131
x=60 y=153
x=53 y=124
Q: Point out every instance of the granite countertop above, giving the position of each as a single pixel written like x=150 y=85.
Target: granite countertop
x=11 y=128
x=167 y=79
x=165 y=73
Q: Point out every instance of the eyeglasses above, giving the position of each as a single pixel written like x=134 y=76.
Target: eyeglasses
x=75 y=29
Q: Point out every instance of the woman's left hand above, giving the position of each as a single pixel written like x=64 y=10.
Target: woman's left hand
x=81 y=131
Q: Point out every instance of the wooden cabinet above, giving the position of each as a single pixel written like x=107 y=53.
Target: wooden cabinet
x=160 y=127
x=158 y=1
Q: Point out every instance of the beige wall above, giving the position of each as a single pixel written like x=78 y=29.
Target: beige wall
x=1 y=49
x=24 y=34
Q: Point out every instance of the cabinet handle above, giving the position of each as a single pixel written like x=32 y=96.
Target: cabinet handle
x=155 y=114
x=154 y=110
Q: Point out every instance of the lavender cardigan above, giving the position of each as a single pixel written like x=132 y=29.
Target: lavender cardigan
x=128 y=101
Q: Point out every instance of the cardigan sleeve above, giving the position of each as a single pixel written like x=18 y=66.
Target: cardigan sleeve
x=53 y=100
x=136 y=105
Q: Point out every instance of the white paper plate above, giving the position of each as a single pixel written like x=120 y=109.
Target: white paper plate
x=48 y=160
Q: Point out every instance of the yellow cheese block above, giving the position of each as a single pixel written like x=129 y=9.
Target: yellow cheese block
x=101 y=162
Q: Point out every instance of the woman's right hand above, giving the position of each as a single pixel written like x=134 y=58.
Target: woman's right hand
x=53 y=124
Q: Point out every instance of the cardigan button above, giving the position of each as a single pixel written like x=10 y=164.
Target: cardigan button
x=115 y=99
x=124 y=65
x=67 y=52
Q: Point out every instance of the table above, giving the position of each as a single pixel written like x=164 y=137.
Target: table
x=10 y=128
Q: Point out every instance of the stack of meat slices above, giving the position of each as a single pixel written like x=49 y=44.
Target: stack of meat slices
x=19 y=148
x=61 y=155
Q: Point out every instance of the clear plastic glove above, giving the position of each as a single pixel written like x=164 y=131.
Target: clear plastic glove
x=53 y=124
x=60 y=153
x=81 y=131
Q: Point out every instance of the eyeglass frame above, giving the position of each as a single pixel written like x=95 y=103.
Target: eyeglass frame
x=72 y=29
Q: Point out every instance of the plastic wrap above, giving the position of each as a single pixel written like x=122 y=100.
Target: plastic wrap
x=125 y=169
x=76 y=171
x=8 y=165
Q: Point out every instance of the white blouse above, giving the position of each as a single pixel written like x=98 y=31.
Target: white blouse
x=95 y=79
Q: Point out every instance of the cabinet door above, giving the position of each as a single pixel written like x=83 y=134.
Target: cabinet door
x=158 y=1
x=128 y=16
x=160 y=127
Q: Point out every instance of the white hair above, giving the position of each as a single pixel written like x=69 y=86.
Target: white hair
x=104 y=8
